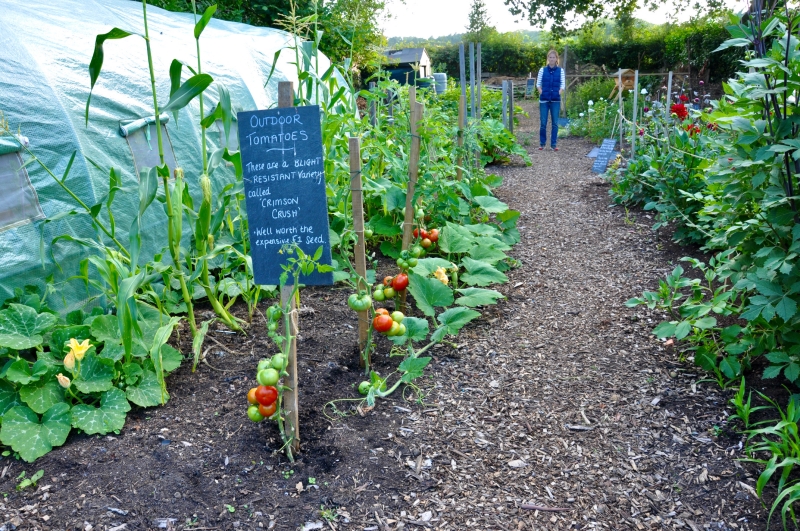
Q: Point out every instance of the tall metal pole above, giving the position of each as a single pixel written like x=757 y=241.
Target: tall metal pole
x=472 y=80
x=462 y=70
x=480 y=82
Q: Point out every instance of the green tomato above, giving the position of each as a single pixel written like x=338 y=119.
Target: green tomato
x=254 y=415
x=378 y=295
x=394 y=330
x=398 y=317
x=268 y=377
x=412 y=262
x=359 y=302
x=272 y=327
x=263 y=364
x=416 y=251
x=402 y=263
x=419 y=213
x=368 y=233
x=363 y=387
x=402 y=330
x=405 y=255
x=389 y=293
x=278 y=362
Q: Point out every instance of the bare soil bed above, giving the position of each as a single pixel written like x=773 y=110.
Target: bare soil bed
x=556 y=410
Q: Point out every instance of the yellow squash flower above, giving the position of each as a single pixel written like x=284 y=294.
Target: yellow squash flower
x=441 y=275
x=63 y=381
x=69 y=361
x=78 y=349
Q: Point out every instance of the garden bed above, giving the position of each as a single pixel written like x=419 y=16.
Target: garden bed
x=558 y=398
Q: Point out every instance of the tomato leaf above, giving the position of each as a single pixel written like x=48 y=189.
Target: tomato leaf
x=31 y=438
x=95 y=375
x=412 y=368
x=147 y=393
x=42 y=395
x=452 y=321
x=429 y=293
x=110 y=416
x=481 y=273
x=478 y=297
x=21 y=326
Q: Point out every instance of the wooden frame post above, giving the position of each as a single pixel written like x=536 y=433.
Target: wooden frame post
x=669 y=92
x=472 y=81
x=504 y=107
x=635 y=131
x=373 y=119
x=462 y=71
x=511 y=106
x=360 y=250
x=564 y=106
x=619 y=102
x=290 y=398
x=462 y=110
x=417 y=109
x=480 y=83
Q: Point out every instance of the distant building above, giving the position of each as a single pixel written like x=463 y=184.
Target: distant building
x=402 y=62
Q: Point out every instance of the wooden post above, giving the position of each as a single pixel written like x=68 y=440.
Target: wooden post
x=290 y=399
x=373 y=120
x=480 y=82
x=462 y=112
x=360 y=250
x=472 y=81
x=669 y=92
x=462 y=71
x=504 y=111
x=635 y=131
x=564 y=106
x=417 y=109
x=511 y=106
x=619 y=102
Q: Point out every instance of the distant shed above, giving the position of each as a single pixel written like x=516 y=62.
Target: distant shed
x=402 y=63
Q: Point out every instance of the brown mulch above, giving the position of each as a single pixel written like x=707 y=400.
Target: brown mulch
x=556 y=410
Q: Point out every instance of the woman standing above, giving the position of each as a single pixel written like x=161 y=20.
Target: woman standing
x=550 y=82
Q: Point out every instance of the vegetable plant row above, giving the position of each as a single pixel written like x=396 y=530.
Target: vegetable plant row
x=724 y=174
x=85 y=370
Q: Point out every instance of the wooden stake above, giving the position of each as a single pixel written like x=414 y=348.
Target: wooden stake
x=619 y=101
x=462 y=103
x=669 y=92
x=504 y=108
x=564 y=106
x=480 y=83
x=462 y=71
x=472 y=80
x=635 y=108
x=372 y=112
x=511 y=106
x=290 y=398
x=360 y=250
x=413 y=170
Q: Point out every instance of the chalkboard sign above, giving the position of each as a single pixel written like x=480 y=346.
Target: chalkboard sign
x=529 y=87
x=284 y=183
x=604 y=155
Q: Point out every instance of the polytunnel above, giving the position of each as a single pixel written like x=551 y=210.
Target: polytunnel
x=45 y=50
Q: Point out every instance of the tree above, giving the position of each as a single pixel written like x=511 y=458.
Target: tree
x=478 y=29
x=567 y=14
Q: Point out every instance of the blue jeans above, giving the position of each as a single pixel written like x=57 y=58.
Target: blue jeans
x=552 y=108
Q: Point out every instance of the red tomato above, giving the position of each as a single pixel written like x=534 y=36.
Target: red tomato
x=382 y=323
x=424 y=233
x=433 y=235
x=387 y=281
x=267 y=411
x=400 y=282
x=266 y=395
x=416 y=233
x=381 y=311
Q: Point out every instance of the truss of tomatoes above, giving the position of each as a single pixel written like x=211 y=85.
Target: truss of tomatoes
x=264 y=398
x=390 y=324
x=427 y=238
